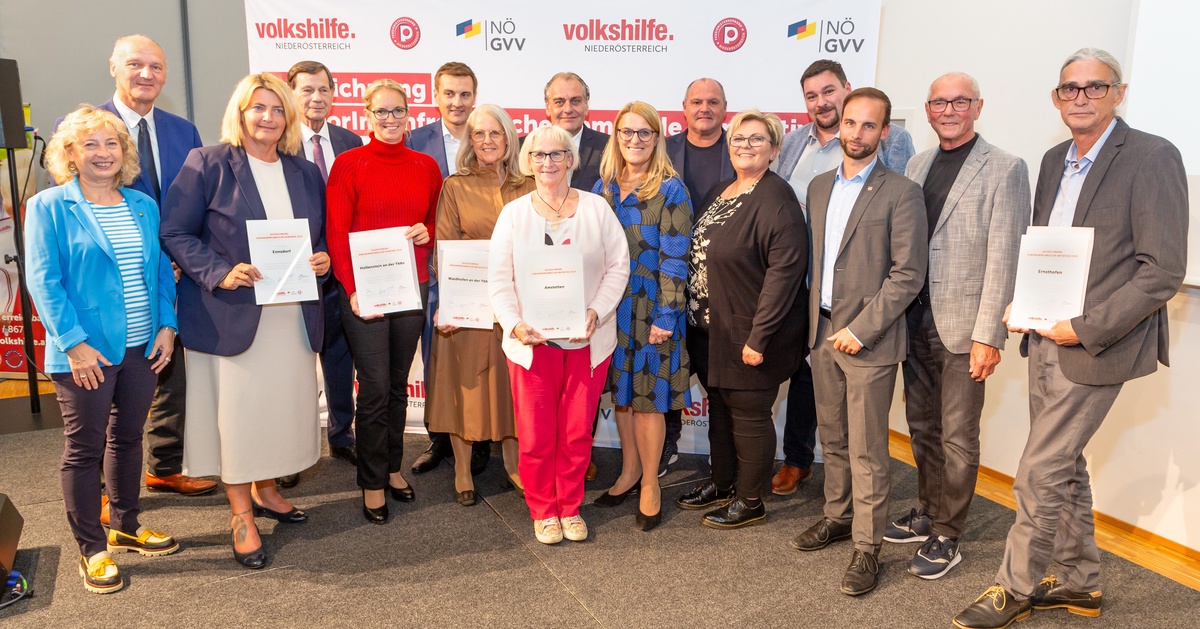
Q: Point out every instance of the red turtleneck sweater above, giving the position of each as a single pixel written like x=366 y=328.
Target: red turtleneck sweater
x=376 y=186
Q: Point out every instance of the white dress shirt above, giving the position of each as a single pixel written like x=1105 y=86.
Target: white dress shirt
x=326 y=145
x=131 y=119
x=451 y=143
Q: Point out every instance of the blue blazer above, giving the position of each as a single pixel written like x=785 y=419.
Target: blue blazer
x=677 y=152
x=74 y=279
x=429 y=140
x=204 y=231
x=176 y=138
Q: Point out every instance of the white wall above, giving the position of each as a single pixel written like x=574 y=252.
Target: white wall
x=1145 y=460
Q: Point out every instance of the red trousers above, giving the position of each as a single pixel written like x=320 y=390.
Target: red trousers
x=555 y=402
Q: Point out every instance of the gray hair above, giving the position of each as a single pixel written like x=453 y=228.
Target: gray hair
x=975 y=93
x=1102 y=56
x=549 y=134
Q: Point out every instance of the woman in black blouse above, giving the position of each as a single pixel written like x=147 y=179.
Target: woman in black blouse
x=747 y=318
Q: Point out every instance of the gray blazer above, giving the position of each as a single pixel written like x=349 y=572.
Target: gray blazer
x=974 y=245
x=880 y=266
x=1135 y=196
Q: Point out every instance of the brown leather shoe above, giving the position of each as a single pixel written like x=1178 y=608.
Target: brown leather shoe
x=104 y=509
x=591 y=472
x=180 y=484
x=788 y=479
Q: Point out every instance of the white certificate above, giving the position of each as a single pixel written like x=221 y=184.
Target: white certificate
x=463 y=284
x=385 y=271
x=551 y=289
x=1052 y=276
x=280 y=250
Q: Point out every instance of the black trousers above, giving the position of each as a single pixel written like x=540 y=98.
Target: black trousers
x=383 y=350
x=164 y=429
x=800 y=422
x=104 y=427
x=741 y=431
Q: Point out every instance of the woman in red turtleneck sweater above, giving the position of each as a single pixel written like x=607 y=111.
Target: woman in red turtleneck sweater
x=382 y=184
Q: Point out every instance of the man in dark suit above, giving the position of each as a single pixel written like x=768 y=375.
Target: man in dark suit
x=1131 y=187
x=323 y=142
x=701 y=157
x=870 y=252
x=567 y=98
x=164 y=141
x=455 y=87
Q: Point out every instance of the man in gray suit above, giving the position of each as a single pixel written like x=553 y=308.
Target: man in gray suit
x=870 y=251
x=1131 y=188
x=977 y=205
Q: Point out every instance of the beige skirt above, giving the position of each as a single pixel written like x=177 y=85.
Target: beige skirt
x=254 y=416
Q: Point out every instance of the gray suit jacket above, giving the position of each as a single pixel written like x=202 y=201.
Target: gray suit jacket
x=1135 y=196
x=880 y=266
x=974 y=245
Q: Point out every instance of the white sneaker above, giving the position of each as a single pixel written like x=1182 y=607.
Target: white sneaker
x=574 y=528
x=549 y=531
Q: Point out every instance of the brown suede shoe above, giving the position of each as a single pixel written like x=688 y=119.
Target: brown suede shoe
x=104 y=509
x=179 y=484
x=591 y=472
x=788 y=479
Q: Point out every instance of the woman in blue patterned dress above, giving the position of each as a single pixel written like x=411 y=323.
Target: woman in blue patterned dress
x=650 y=371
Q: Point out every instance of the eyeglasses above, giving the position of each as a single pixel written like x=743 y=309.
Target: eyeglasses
x=1092 y=91
x=754 y=141
x=481 y=135
x=959 y=104
x=382 y=114
x=555 y=156
x=642 y=134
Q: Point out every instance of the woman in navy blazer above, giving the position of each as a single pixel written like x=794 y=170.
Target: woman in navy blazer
x=254 y=174
x=105 y=293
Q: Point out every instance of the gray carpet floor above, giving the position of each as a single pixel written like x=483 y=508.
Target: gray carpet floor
x=437 y=564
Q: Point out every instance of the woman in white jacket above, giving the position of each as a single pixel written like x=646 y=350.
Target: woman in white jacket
x=557 y=365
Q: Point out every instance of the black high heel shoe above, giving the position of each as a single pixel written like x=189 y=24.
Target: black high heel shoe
x=295 y=516
x=647 y=522
x=254 y=559
x=375 y=516
x=608 y=500
x=405 y=494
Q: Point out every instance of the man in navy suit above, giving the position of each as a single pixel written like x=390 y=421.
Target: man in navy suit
x=567 y=97
x=701 y=157
x=454 y=86
x=323 y=142
x=164 y=141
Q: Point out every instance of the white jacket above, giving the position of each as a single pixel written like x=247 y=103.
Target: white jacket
x=605 y=269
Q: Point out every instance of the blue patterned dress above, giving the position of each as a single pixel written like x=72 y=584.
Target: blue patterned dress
x=653 y=378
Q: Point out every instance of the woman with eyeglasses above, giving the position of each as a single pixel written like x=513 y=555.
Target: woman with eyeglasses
x=382 y=184
x=556 y=381
x=650 y=372
x=747 y=318
x=473 y=399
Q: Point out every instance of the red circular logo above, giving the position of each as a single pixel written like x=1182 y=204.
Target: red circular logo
x=729 y=34
x=405 y=33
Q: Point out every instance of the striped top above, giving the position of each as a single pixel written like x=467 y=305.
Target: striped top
x=121 y=230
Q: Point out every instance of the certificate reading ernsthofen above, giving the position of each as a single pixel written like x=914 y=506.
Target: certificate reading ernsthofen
x=1052 y=275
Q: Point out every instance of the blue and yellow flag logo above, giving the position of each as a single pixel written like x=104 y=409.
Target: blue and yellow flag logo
x=468 y=29
x=799 y=30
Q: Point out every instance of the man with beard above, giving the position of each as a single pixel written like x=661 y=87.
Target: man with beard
x=870 y=252
x=807 y=152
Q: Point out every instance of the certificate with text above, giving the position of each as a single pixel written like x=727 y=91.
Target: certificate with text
x=280 y=250
x=1052 y=276
x=463 y=284
x=550 y=287
x=385 y=271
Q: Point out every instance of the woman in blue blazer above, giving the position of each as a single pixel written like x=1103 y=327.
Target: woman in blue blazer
x=251 y=382
x=105 y=293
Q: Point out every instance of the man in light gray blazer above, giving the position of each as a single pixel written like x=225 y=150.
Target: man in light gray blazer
x=869 y=243
x=1131 y=188
x=977 y=205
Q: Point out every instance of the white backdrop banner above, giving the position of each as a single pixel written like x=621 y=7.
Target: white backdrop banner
x=625 y=50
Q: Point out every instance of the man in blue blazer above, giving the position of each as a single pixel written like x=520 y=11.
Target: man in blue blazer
x=701 y=157
x=323 y=142
x=455 y=87
x=139 y=67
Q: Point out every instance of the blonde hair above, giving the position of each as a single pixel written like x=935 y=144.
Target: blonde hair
x=234 y=132
x=467 y=161
x=548 y=133
x=383 y=84
x=774 y=126
x=612 y=162
x=84 y=122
